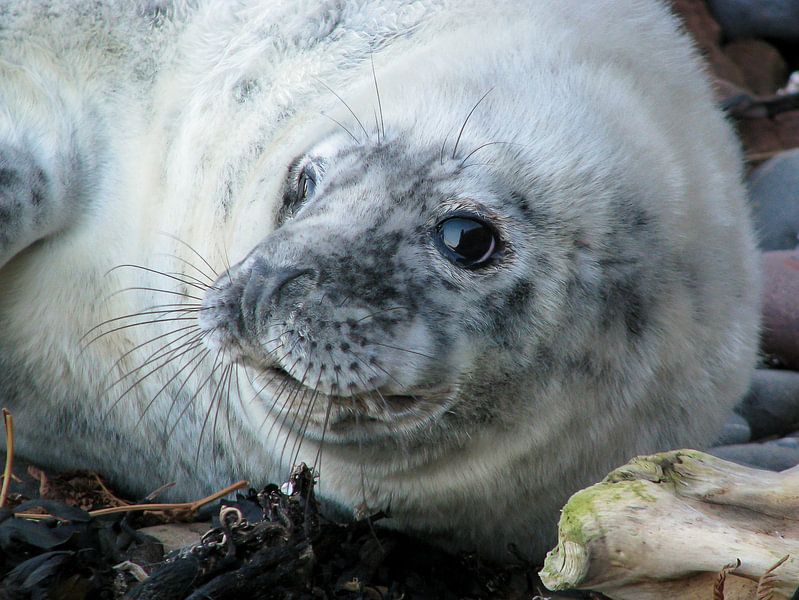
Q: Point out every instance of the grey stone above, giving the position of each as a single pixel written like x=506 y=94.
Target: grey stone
x=772 y=405
x=174 y=536
x=770 y=457
x=774 y=197
x=786 y=442
x=775 y=19
x=736 y=431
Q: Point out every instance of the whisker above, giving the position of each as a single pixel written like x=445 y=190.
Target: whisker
x=149 y=373
x=203 y=355
x=443 y=146
x=293 y=428
x=373 y=390
x=201 y=286
x=324 y=114
x=165 y=350
x=227 y=265
x=402 y=349
x=385 y=310
x=214 y=367
x=122 y=327
x=480 y=147
x=145 y=311
x=300 y=387
x=352 y=112
x=460 y=133
x=199 y=282
x=402 y=386
x=285 y=382
x=305 y=421
x=234 y=376
x=318 y=459
x=183 y=347
x=129 y=325
x=197 y=254
x=149 y=289
x=379 y=104
x=216 y=399
x=362 y=469
x=192 y=329
x=175 y=376
x=188 y=264
x=277 y=397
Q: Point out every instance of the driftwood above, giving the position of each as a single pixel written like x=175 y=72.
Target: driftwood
x=676 y=525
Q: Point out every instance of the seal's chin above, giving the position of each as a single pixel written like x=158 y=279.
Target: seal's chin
x=361 y=415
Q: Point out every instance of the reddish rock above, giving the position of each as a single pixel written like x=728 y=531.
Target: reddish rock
x=760 y=138
x=707 y=35
x=788 y=128
x=763 y=68
x=763 y=138
x=780 y=337
x=698 y=21
x=725 y=90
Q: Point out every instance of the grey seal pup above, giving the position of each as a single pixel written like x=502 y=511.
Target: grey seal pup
x=463 y=258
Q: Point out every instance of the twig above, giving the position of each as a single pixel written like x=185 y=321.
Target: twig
x=765 y=586
x=744 y=106
x=187 y=506
x=718 y=588
x=109 y=493
x=9 y=423
x=158 y=491
x=135 y=570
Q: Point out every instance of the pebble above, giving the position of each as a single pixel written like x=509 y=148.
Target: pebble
x=780 y=337
x=774 y=197
x=770 y=456
x=174 y=536
x=774 y=19
x=772 y=405
x=762 y=66
x=736 y=431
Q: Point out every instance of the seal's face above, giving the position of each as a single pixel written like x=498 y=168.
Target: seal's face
x=362 y=314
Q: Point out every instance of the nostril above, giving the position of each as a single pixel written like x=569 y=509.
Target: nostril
x=284 y=276
x=265 y=284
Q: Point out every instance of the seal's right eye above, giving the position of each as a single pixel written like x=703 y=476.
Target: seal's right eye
x=306 y=184
x=468 y=242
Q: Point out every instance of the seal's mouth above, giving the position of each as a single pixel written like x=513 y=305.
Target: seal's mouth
x=371 y=411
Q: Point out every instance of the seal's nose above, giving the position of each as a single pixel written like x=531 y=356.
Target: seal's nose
x=266 y=287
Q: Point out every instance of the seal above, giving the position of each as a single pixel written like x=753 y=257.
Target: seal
x=462 y=259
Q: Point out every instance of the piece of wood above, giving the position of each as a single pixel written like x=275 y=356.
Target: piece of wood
x=664 y=526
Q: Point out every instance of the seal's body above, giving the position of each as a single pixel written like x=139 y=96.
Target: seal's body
x=465 y=259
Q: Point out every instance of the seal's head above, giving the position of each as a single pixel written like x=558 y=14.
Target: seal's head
x=381 y=295
x=417 y=280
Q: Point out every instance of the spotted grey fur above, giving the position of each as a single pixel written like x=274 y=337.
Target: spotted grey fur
x=172 y=308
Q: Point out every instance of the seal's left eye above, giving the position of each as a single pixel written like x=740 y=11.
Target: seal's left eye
x=306 y=184
x=467 y=242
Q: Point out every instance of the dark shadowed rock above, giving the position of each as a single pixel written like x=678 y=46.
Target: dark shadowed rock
x=772 y=405
x=774 y=196
x=771 y=456
x=736 y=431
x=780 y=337
x=761 y=64
x=776 y=19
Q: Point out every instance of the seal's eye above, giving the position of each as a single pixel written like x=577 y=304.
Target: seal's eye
x=468 y=242
x=306 y=184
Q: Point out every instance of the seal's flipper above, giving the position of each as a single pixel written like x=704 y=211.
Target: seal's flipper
x=26 y=214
